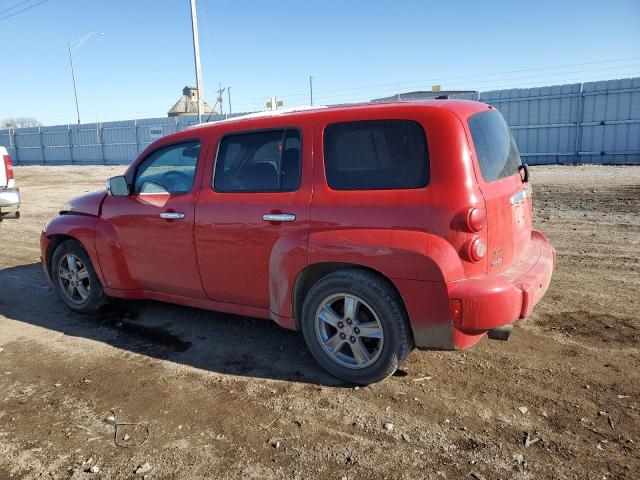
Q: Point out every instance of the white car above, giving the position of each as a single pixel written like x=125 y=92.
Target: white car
x=9 y=193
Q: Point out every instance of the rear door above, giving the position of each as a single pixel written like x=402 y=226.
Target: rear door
x=507 y=196
x=252 y=219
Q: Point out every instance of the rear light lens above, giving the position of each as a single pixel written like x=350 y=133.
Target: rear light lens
x=476 y=219
x=477 y=249
x=8 y=166
x=456 y=310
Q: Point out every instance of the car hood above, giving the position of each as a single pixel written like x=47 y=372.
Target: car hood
x=88 y=204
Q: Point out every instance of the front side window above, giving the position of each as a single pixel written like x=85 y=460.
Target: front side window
x=267 y=161
x=376 y=155
x=168 y=170
x=496 y=148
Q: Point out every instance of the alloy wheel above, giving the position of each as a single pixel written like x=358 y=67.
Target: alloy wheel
x=349 y=331
x=73 y=277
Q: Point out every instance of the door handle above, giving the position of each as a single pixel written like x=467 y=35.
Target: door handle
x=172 y=215
x=279 y=217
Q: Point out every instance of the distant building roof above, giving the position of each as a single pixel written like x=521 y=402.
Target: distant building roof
x=428 y=94
x=188 y=104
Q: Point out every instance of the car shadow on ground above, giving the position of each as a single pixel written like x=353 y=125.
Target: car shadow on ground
x=213 y=341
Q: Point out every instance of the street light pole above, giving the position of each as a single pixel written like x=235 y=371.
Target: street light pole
x=229 y=95
x=196 y=56
x=73 y=46
x=311 y=89
x=73 y=77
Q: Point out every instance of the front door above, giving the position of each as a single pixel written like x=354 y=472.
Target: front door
x=154 y=224
x=252 y=222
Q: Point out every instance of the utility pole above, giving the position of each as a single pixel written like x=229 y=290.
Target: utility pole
x=311 y=89
x=196 y=56
x=229 y=95
x=220 y=97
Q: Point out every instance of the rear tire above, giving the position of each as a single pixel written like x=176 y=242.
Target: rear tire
x=354 y=325
x=75 y=279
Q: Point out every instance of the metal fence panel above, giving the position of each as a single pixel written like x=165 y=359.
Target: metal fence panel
x=595 y=122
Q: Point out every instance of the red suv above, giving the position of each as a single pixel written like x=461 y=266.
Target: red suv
x=372 y=228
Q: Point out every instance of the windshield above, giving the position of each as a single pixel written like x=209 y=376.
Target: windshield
x=496 y=148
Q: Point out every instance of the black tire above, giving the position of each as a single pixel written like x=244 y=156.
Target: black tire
x=96 y=297
x=382 y=299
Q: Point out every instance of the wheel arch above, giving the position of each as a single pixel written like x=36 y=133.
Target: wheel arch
x=55 y=241
x=72 y=227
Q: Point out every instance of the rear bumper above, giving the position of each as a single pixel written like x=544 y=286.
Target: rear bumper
x=491 y=302
x=9 y=203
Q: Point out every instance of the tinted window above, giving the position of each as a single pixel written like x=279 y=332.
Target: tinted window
x=168 y=170
x=495 y=146
x=259 y=162
x=376 y=155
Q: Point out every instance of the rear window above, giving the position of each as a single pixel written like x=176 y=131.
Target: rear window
x=376 y=155
x=496 y=148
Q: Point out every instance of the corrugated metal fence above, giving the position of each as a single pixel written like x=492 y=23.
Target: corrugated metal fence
x=90 y=143
x=595 y=122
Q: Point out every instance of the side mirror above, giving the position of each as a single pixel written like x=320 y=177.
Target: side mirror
x=118 y=186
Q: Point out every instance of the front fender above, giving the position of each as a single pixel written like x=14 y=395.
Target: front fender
x=79 y=227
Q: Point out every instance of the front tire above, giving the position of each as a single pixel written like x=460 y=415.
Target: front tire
x=354 y=326
x=75 y=279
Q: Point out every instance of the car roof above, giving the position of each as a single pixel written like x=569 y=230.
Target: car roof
x=463 y=108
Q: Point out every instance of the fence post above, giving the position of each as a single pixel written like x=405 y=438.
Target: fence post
x=70 y=143
x=100 y=135
x=579 y=125
x=135 y=123
x=44 y=162
x=12 y=143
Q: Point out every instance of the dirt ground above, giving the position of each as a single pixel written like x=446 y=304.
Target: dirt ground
x=199 y=394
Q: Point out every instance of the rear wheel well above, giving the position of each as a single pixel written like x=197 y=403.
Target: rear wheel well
x=313 y=273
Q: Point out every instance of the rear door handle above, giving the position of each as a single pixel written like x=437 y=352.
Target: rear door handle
x=279 y=217
x=172 y=215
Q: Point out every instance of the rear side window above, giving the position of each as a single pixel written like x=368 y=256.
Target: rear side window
x=496 y=148
x=267 y=161
x=376 y=155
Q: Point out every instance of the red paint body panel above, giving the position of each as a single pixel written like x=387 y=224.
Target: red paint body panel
x=223 y=256
x=88 y=204
x=80 y=227
x=243 y=259
x=493 y=301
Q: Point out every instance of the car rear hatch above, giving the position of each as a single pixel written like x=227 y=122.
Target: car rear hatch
x=507 y=196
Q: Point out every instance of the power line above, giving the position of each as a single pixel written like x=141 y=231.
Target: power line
x=20 y=11
x=15 y=6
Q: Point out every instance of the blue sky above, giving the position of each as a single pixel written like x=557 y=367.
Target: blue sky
x=355 y=50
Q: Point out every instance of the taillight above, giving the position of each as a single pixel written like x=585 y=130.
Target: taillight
x=477 y=249
x=476 y=219
x=8 y=166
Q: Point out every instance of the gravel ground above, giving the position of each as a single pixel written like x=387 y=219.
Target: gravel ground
x=198 y=394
